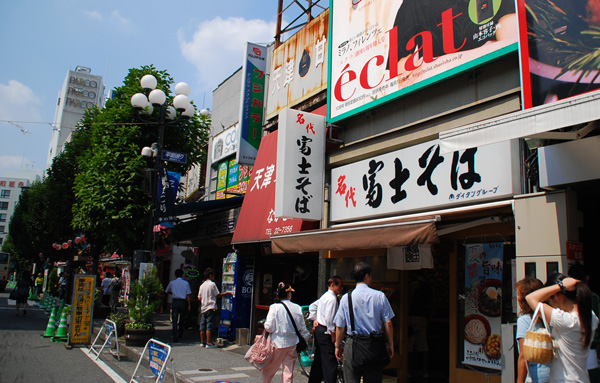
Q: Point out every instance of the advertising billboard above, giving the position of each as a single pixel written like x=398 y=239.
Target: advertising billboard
x=559 y=48
x=251 y=103
x=381 y=50
x=299 y=66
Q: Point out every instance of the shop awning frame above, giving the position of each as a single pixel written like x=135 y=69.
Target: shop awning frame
x=581 y=109
x=362 y=236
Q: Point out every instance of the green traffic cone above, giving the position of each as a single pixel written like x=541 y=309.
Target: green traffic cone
x=61 y=333
x=51 y=325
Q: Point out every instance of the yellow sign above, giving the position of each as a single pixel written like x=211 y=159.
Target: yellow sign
x=82 y=309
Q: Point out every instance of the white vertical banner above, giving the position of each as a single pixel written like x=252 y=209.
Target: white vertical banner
x=300 y=165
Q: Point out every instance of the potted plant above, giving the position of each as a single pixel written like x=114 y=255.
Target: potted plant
x=143 y=301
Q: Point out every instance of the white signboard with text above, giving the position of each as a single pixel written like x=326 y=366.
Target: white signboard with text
x=225 y=143
x=300 y=164
x=419 y=177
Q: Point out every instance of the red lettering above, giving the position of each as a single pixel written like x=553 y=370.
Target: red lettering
x=364 y=73
x=426 y=49
x=393 y=52
x=448 y=32
x=337 y=89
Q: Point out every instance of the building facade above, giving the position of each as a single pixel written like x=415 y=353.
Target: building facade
x=80 y=90
x=10 y=190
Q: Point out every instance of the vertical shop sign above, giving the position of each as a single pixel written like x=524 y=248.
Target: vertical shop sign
x=167 y=193
x=251 y=108
x=301 y=160
x=221 y=180
x=483 y=304
x=82 y=309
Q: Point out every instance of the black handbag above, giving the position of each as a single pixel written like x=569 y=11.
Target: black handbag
x=368 y=350
x=301 y=346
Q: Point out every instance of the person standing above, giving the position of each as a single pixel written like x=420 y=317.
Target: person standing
x=106 y=286
x=114 y=293
x=578 y=271
x=573 y=324
x=527 y=371
x=39 y=285
x=23 y=286
x=207 y=296
x=283 y=334
x=372 y=314
x=181 y=303
x=324 y=366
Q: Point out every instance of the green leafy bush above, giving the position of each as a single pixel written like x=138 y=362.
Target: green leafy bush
x=143 y=301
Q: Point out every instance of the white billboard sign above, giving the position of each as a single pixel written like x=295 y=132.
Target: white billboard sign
x=300 y=165
x=225 y=143
x=419 y=178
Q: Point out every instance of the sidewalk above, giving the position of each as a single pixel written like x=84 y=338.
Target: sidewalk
x=195 y=364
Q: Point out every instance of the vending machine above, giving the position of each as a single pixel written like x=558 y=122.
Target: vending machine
x=238 y=277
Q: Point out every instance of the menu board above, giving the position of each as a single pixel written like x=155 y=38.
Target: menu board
x=483 y=304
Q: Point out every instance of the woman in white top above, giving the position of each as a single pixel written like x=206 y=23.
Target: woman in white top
x=283 y=334
x=573 y=324
x=324 y=367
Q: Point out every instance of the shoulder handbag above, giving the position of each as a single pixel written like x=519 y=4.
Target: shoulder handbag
x=261 y=352
x=301 y=346
x=538 y=346
x=368 y=350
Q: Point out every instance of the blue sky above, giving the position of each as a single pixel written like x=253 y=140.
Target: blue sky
x=200 y=42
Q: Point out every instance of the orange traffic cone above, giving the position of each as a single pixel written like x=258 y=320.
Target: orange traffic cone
x=61 y=333
x=51 y=325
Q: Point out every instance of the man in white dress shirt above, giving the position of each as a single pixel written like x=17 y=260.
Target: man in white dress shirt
x=324 y=367
x=181 y=303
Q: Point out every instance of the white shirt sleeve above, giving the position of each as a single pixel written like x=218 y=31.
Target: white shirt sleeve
x=312 y=310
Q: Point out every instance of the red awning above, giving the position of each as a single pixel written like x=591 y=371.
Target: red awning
x=257 y=221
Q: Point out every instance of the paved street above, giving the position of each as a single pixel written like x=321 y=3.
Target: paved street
x=27 y=357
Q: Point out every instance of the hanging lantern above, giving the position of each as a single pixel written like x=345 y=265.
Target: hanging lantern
x=65 y=245
x=69 y=242
x=56 y=246
x=83 y=239
x=77 y=240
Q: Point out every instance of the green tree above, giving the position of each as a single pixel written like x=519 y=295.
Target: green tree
x=110 y=205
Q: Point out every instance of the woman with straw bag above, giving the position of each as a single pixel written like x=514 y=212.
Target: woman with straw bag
x=573 y=324
x=528 y=371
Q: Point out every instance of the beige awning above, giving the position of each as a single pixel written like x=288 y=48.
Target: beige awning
x=359 y=236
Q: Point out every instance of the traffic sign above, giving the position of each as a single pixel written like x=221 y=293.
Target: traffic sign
x=174 y=157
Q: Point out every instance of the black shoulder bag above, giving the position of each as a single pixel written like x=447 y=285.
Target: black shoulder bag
x=301 y=346
x=368 y=350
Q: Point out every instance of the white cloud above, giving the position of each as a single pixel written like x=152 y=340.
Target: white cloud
x=121 y=20
x=18 y=102
x=217 y=46
x=93 y=15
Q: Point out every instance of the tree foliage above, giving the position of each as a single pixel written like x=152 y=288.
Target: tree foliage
x=110 y=204
x=143 y=301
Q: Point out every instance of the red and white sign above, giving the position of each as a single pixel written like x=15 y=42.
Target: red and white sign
x=301 y=164
x=257 y=220
x=575 y=251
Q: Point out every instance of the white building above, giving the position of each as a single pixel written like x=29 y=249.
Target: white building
x=80 y=91
x=10 y=189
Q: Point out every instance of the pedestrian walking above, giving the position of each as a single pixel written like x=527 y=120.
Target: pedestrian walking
x=182 y=302
x=283 y=334
x=23 y=286
x=207 y=296
x=372 y=319
x=528 y=371
x=324 y=366
x=573 y=324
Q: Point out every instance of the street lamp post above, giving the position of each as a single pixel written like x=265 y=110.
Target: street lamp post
x=167 y=116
